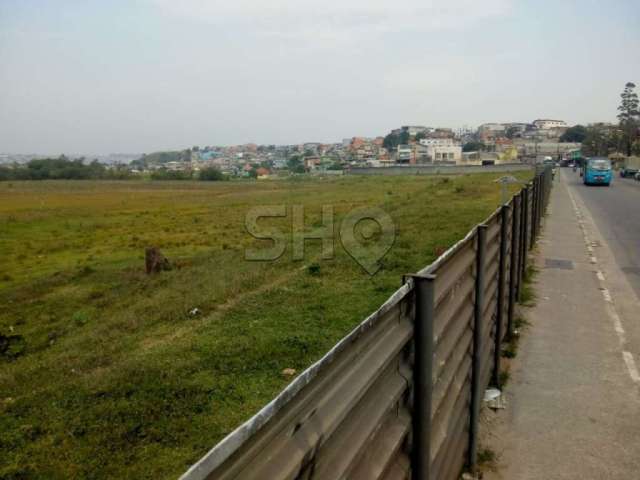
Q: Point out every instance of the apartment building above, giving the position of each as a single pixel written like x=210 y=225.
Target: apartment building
x=488 y=132
x=442 y=149
x=405 y=154
x=546 y=124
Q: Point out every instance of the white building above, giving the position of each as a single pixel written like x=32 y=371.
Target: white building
x=546 y=124
x=415 y=129
x=492 y=127
x=442 y=149
x=446 y=153
x=405 y=154
x=438 y=142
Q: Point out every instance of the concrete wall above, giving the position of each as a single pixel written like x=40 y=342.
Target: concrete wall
x=437 y=169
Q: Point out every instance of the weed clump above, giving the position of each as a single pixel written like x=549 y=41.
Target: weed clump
x=486 y=455
x=503 y=378
x=85 y=271
x=12 y=346
x=527 y=294
x=314 y=269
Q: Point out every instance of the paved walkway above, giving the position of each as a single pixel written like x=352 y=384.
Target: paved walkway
x=574 y=395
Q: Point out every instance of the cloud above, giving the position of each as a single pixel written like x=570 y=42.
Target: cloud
x=330 y=20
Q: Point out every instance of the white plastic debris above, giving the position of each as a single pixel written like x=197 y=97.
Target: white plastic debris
x=194 y=312
x=494 y=399
x=491 y=394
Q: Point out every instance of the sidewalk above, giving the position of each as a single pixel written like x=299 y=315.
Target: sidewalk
x=573 y=409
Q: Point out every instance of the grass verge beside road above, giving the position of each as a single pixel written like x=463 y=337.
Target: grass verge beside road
x=112 y=377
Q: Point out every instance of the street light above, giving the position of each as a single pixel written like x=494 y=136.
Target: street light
x=504 y=182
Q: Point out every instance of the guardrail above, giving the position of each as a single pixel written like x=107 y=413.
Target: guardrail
x=399 y=397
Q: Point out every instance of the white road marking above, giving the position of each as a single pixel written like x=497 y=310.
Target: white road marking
x=609 y=306
x=631 y=366
x=617 y=324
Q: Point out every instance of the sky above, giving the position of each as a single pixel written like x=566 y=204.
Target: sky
x=98 y=76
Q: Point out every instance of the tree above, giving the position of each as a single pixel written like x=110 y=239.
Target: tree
x=473 y=147
x=211 y=174
x=599 y=141
x=5 y=173
x=574 y=134
x=164 y=174
x=628 y=116
x=420 y=136
x=185 y=156
x=295 y=164
x=56 y=168
x=390 y=141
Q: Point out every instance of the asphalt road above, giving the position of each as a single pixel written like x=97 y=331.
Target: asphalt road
x=616 y=212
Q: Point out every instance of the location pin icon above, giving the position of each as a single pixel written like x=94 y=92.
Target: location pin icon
x=377 y=236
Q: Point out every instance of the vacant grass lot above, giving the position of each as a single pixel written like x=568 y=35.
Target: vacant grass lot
x=107 y=375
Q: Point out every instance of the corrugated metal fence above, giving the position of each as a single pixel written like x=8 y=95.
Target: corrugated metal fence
x=399 y=397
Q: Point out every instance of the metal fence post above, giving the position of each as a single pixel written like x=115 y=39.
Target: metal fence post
x=547 y=188
x=540 y=208
x=422 y=376
x=536 y=229
x=524 y=210
x=504 y=213
x=476 y=366
x=513 y=267
x=545 y=183
x=530 y=217
x=537 y=216
x=534 y=211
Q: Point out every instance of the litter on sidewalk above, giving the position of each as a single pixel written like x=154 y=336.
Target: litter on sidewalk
x=494 y=399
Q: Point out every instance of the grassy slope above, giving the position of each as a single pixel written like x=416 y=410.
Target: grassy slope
x=117 y=379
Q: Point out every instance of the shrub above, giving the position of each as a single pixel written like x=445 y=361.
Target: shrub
x=314 y=269
x=164 y=174
x=211 y=174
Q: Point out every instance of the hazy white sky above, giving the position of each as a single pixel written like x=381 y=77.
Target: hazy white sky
x=96 y=76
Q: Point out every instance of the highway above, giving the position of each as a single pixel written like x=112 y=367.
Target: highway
x=616 y=212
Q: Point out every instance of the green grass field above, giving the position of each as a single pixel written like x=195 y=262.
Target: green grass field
x=107 y=374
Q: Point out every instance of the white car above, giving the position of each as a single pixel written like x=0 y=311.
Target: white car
x=637 y=176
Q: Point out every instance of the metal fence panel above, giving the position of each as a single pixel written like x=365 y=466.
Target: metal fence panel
x=352 y=414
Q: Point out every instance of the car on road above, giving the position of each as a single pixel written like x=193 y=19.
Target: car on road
x=597 y=171
x=630 y=167
x=637 y=177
